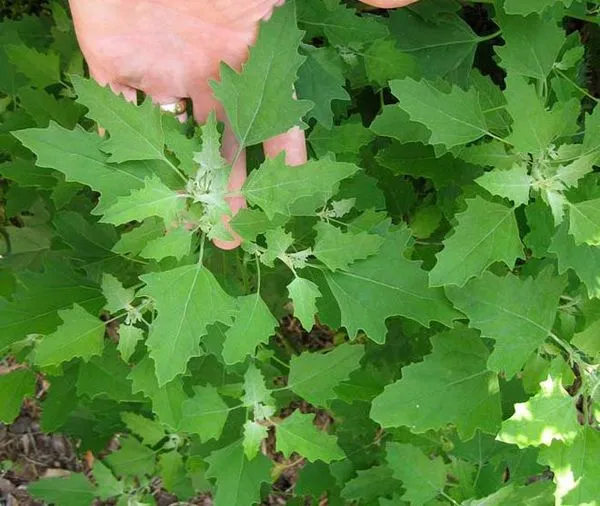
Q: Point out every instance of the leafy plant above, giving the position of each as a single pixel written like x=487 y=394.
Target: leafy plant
x=447 y=223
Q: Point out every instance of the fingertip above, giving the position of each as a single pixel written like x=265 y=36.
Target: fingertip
x=292 y=142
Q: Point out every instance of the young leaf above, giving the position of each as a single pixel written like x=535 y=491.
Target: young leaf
x=135 y=132
x=486 y=233
x=422 y=477
x=154 y=199
x=296 y=433
x=131 y=459
x=183 y=315
x=304 y=295
x=204 y=414
x=253 y=325
x=458 y=390
x=295 y=191
x=314 y=376
x=254 y=433
x=548 y=416
x=575 y=468
x=80 y=335
x=74 y=490
x=454 y=118
x=337 y=250
x=517 y=313
x=513 y=184
x=14 y=387
x=387 y=285
x=259 y=102
x=238 y=479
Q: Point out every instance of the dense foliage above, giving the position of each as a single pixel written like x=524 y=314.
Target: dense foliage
x=448 y=223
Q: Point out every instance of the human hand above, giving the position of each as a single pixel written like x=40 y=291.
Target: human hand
x=171 y=50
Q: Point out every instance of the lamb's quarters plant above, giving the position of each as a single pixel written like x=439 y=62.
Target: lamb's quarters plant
x=446 y=230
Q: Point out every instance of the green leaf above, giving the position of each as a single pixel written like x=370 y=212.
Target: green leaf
x=532 y=45
x=295 y=191
x=296 y=433
x=377 y=481
x=259 y=102
x=107 y=485
x=238 y=479
x=41 y=69
x=176 y=243
x=106 y=377
x=135 y=132
x=80 y=335
x=14 y=387
x=154 y=199
x=348 y=137
x=387 y=285
x=454 y=118
x=575 y=468
x=422 y=477
x=485 y=233
x=548 y=416
x=136 y=239
x=384 y=61
x=304 y=295
x=249 y=223
x=128 y=339
x=173 y=475
x=444 y=48
x=584 y=222
x=117 y=296
x=533 y=128
x=451 y=386
x=314 y=376
x=495 y=305
x=253 y=325
x=339 y=24
x=149 y=430
x=394 y=122
x=255 y=390
x=254 y=433
x=167 y=400
x=76 y=154
x=320 y=80
x=513 y=184
x=583 y=259
x=525 y=7
x=131 y=459
x=337 y=250
x=179 y=296
x=74 y=489
x=204 y=414
x=43 y=108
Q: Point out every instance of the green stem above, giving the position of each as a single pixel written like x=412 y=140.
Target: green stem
x=490 y=36
x=575 y=85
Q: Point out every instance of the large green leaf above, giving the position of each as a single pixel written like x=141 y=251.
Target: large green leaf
x=495 y=305
x=180 y=297
x=372 y=290
x=74 y=489
x=314 y=376
x=204 y=413
x=135 y=132
x=258 y=101
x=485 y=233
x=451 y=386
x=296 y=433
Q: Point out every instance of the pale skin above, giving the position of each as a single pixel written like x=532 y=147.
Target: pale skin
x=171 y=49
